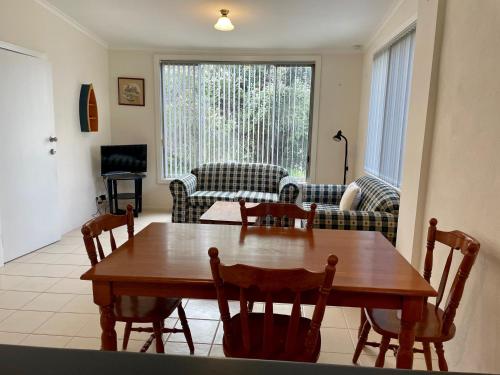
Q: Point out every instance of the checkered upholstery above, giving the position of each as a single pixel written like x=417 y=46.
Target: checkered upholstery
x=236 y=176
x=193 y=194
x=323 y=193
x=207 y=198
x=181 y=188
x=270 y=221
x=377 y=196
x=377 y=211
x=256 y=197
x=288 y=190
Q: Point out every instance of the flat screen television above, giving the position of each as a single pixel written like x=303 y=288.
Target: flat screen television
x=124 y=158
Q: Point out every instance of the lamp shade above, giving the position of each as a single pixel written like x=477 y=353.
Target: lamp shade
x=338 y=137
x=224 y=23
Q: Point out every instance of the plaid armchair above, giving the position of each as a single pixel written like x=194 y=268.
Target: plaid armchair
x=377 y=211
x=194 y=193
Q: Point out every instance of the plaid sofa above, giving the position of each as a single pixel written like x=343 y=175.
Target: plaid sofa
x=194 y=193
x=377 y=211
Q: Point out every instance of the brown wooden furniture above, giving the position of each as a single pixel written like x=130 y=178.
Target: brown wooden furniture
x=227 y=213
x=89 y=119
x=282 y=214
x=169 y=260
x=275 y=214
x=134 y=309
x=268 y=335
x=436 y=325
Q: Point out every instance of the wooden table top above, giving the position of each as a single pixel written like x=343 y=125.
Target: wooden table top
x=174 y=252
x=222 y=212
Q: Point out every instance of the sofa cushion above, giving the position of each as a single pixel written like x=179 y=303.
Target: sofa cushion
x=239 y=176
x=320 y=207
x=256 y=196
x=207 y=198
x=351 y=197
x=376 y=195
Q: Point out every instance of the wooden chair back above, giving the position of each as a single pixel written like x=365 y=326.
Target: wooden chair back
x=457 y=241
x=284 y=214
x=92 y=229
x=270 y=283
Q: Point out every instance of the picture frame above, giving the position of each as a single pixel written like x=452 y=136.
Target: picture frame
x=131 y=91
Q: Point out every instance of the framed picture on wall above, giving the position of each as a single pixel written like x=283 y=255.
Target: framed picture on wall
x=130 y=91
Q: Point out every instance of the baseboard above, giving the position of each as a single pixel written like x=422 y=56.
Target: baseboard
x=157 y=209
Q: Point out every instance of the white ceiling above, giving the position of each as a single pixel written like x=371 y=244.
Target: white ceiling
x=181 y=24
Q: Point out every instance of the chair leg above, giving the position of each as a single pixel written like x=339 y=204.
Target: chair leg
x=158 y=337
x=443 y=366
x=185 y=328
x=126 y=335
x=147 y=344
x=363 y=337
x=362 y=320
x=427 y=355
x=384 y=345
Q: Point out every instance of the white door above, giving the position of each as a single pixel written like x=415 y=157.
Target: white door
x=28 y=171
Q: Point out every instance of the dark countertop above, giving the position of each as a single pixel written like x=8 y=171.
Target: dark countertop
x=33 y=360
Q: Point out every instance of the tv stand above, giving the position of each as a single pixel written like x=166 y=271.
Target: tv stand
x=113 y=195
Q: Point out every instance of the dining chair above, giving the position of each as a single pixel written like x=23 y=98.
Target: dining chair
x=134 y=309
x=281 y=214
x=437 y=324
x=278 y=215
x=268 y=335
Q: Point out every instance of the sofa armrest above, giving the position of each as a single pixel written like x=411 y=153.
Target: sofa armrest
x=183 y=186
x=379 y=221
x=288 y=190
x=323 y=193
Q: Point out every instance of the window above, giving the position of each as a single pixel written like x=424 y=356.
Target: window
x=243 y=112
x=387 y=117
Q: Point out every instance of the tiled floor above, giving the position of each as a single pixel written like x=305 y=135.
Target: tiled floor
x=43 y=303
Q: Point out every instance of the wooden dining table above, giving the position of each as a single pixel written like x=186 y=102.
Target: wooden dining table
x=171 y=260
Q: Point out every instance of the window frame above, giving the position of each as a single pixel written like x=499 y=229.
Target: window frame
x=408 y=27
x=315 y=60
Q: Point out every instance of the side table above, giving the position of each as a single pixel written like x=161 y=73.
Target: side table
x=113 y=195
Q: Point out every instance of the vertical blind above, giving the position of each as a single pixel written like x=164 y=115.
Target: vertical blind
x=387 y=117
x=214 y=112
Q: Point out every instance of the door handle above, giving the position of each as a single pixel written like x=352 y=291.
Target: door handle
x=52 y=139
x=52 y=151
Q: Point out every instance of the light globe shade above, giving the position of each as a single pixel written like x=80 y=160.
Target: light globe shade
x=224 y=23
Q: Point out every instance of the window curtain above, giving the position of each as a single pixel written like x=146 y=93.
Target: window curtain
x=387 y=119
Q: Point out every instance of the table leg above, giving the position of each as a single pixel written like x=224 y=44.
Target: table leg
x=115 y=193
x=136 y=200
x=137 y=194
x=140 y=195
x=104 y=298
x=108 y=335
x=410 y=315
x=110 y=194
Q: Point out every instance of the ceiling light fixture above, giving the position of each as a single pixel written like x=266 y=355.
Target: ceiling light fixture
x=224 y=23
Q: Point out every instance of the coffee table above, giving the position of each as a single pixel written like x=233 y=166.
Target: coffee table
x=226 y=213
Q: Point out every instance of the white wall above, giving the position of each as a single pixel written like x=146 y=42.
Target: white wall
x=451 y=168
x=464 y=175
x=419 y=128
x=338 y=109
x=75 y=59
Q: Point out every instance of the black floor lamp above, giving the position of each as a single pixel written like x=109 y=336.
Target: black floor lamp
x=337 y=138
